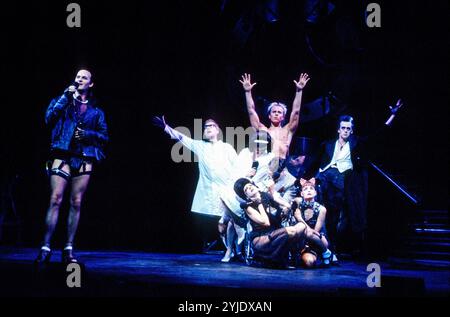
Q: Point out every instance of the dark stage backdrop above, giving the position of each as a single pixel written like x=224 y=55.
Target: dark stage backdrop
x=184 y=59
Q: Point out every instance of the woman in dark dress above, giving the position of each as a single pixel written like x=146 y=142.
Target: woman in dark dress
x=269 y=240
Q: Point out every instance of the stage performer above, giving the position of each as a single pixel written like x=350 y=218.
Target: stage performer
x=313 y=214
x=79 y=134
x=216 y=165
x=269 y=240
x=281 y=134
x=343 y=181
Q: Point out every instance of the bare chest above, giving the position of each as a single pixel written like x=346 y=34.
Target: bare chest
x=279 y=134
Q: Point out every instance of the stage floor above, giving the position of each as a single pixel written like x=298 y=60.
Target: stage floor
x=114 y=273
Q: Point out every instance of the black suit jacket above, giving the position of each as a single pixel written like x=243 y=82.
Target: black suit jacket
x=356 y=181
x=357 y=152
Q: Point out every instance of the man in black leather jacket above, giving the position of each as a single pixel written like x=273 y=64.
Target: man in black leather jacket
x=79 y=134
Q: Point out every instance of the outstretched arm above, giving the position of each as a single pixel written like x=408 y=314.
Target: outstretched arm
x=161 y=123
x=394 y=111
x=295 y=114
x=175 y=135
x=384 y=128
x=254 y=119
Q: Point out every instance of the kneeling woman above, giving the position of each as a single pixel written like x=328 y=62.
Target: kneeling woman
x=270 y=241
x=310 y=212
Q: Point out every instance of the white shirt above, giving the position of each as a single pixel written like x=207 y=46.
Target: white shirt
x=263 y=176
x=216 y=169
x=341 y=158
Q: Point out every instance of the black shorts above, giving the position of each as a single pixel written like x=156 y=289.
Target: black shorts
x=74 y=162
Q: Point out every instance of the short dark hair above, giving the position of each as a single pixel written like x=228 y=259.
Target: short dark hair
x=346 y=118
x=211 y=121
x=239 y=186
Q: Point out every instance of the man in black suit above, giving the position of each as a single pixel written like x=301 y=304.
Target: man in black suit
x=343 y=181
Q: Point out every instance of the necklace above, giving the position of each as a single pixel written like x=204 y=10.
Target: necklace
x=80 y=101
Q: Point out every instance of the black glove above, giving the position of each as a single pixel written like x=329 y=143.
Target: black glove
x=394 y=109
x=159 y=122
x=294 y=205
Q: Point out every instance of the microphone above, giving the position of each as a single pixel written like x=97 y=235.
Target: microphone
x=70 y=93
x=75 y=84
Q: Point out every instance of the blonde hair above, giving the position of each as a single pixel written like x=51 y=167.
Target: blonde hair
x=278 y=104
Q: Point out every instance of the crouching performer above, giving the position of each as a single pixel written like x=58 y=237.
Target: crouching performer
x=270 y=242
x=308 y=211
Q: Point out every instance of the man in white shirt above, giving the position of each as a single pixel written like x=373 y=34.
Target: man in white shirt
x=216 y=163
x=343 y=179
x=336 y=164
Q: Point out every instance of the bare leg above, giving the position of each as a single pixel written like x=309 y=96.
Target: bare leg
x=231 y=236
x=240 y=237
x=315 y=240
x=57 y=185
x=222 y=226
x=296 y=231
x=79 y=186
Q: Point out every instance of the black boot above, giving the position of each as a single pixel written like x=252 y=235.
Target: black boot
x=44 y=256
x=67 y=256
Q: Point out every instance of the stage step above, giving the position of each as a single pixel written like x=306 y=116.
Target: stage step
x=432 y=212
x=438 y=244
x=416 y=263
x=437 y=218
x=427 y=240
x=426 y=255
x=426 y=223
x=426 y=250
x=437 y=231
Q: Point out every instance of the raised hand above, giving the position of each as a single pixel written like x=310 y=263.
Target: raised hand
x=397 y=106
x=159 y=121
x=301 y=83
x=247 y=82
x=69 y=91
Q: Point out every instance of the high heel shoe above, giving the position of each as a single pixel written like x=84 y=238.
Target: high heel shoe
x=227 y=257
x=44 y=256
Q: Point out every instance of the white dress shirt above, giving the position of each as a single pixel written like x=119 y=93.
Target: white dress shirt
x=341 y=158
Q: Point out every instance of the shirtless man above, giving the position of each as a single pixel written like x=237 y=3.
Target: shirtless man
x=281 y=134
